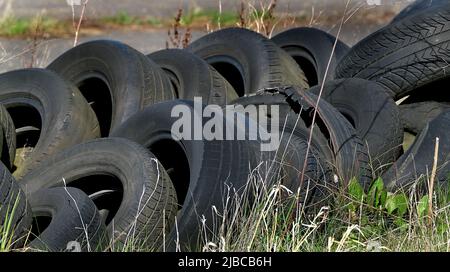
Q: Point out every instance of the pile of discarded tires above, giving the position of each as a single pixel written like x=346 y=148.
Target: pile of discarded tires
x=89 y=160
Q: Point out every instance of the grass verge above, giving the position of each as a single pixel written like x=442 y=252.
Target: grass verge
x=198 y=19
x=350 y=221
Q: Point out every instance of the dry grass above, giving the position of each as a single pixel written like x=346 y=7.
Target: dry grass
x=335 y=227
x=178 y=38
x=277 y=222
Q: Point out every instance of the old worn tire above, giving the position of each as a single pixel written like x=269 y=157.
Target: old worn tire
x=287 y=163
x=418 y=6
x=8 y=143
x=136 y=189
x=292 y=156
x=249 y=61
x=193 y=77
x=292 y=133
x=416 y=116
x=311 y=48
x=116 y=79
x=405 y=56
x=40 y=98
x=202 y=171
x=342 y=148
x=372 y=112
x=71 y=217
x=14 y=209
x=418 y=160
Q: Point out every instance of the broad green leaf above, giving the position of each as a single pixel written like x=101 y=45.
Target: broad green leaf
x=402 y=204
x=383 y=198
x=375 y=192
x=390 y=205
x=397 y=203
x=355 y=190
x=422 y=206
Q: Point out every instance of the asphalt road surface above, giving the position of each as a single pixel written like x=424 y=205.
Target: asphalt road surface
x=163 y=8
x=19 y=53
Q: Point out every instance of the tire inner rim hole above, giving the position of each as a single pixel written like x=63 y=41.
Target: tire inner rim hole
x=308 y=68
x=349 y=118
x=232 y=74
x=178 y=169
x=106 y=192
x=98 y=95
x=40 y=224
x=28 y=123
x=430 y=92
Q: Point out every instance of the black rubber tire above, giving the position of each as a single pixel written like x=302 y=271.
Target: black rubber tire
x=194 y=77
x=41 y=98
x=2 y=143
x=342 y=148
x=404 y=56
x=418 y=6
x=372 y=112
x=417 y=115
x=286 y=163
x=311 y=48
x=292 y=156
x=8 y=148
x=132 y=81
x=73 y=218
x=289 y=128
x=249 y=61
x=201 y=173
x=137 y=178
x=14 y=209
x=419 y=158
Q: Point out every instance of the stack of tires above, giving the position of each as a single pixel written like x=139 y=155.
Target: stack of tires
x=90 y=161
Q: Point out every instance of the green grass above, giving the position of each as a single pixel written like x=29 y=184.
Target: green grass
x=7 y=229
x=348 y=220
x=122 y=18
x=12 y=26
x=199 y=19
x=28 y=27
x=15 y=27
x=379 y=221
x=225 y=18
